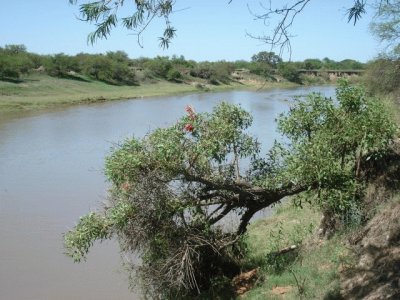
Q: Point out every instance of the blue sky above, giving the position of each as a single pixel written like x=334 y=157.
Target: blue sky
x=207 y=30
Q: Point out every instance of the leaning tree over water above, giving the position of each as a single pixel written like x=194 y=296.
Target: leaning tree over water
x=172 y=189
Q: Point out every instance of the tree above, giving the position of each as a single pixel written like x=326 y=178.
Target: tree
x=14 y=61
x=383 y=75
x=112 y=68
x=328 y=143
x=15 y=49
x=172 y=189
x=312 y=64
x=118 y=56
x=159 y=66
x=290 y=71
x=386 y=25
x=269 y=58
x=61 y=65
x=350 y=64
x=9 y=67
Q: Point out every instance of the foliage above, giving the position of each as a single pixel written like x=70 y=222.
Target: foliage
x=174 y=75
x=115 y=67
x=290 y=72
x=214 y=72
x=328 y=142
x=14 y=61
x=349 y=64
x=312 y=64
x=9 y=67
x=177 y=184
x=269 y=58
x=159 y=66
x=386 y=25
x=328 y=64
x=14 y=49
x=105 y=15
x=61 y=65
x=179 y=181
x=383 y=75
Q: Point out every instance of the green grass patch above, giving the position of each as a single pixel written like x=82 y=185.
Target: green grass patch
x=311 y=271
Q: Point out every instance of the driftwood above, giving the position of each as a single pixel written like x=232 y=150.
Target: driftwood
x=284 y=250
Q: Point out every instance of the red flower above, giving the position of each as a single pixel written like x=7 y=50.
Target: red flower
x=189 y=109
x=188 y=127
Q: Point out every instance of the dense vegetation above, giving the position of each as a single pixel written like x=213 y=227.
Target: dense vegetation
x=118 y=69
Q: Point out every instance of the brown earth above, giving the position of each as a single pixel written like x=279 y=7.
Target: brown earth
x=281 y=290
x=244 y=281
x=377 y=273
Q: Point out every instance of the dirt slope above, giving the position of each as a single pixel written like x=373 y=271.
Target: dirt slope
x=377 y=273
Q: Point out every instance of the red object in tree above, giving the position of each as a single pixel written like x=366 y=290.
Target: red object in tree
x=188 y=127
x=189 y=109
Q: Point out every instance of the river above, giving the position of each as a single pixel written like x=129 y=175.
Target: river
x=51 y=173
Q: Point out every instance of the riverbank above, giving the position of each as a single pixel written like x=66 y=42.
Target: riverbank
x=288 y=259
x=39 y=91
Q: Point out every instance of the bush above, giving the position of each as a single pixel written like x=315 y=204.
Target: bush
x=329 y=142
x=383 y=76
x=159 y=67
x=290 y=72
x=14 y=61
x=174 y=75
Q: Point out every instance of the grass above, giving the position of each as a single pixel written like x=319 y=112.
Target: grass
x=38 y=91
x=310 y=272
x=41 y=91
x=392 y=101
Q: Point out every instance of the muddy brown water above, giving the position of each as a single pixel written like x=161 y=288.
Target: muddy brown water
x=51 y=173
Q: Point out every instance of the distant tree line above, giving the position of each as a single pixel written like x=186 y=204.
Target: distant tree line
x=115 y=67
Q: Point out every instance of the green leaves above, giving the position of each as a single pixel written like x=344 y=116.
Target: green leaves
x=328 y=139
x=90 y=228
x=169 y=34
x=356 y=11
x=103 y=29
x=105 y=16
x=124 y=163
x=93 y=227
x=306 y=117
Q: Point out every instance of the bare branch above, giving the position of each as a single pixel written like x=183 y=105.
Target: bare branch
x=279 y=20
